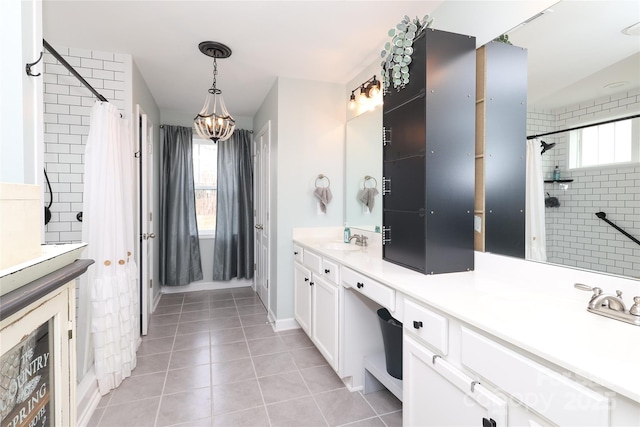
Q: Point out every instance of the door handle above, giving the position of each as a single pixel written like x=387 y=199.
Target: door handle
x=259 y=227
x=152 y=235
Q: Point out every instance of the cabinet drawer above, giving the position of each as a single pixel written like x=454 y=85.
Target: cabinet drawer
x=376 y=291
x=312 y=261
x=298 y=253
x=430 y=326
x=556 y=397
x=331 y=271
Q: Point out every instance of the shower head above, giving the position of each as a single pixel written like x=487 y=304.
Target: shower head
x=601 y=215
x=546 y=146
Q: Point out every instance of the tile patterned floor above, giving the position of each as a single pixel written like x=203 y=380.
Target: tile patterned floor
x=211 y=359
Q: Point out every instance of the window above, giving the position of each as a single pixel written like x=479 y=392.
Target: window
x=205 y=179
x=606 y=144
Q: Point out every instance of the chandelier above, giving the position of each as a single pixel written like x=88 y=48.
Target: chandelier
x=214 y=121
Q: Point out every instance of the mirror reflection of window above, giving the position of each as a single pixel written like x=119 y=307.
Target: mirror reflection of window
x=606 y=144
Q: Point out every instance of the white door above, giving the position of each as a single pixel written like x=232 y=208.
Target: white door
x=262 y=193
x=147 y=234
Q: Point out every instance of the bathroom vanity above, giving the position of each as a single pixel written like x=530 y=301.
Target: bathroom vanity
x=511 y=343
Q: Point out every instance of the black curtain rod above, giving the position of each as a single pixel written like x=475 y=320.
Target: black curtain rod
x=72 y=70
x=584 y=126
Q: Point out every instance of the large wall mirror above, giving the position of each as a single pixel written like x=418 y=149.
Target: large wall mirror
x=363 y=177
x=583 y=68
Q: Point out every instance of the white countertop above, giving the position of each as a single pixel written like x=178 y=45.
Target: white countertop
x=530 y=305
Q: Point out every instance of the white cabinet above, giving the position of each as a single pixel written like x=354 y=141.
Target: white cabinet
x=324 y=323
x=375 y=291
x=302 y=296
x=551 y=394
x=38 y=350
x=432 y=327
x=437 y=394
x=317 y=300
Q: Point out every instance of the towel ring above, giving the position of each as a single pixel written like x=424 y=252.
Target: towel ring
x=369 y=178
x=320 y=178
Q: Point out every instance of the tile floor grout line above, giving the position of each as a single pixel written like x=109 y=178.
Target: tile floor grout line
x=255 y=372
x=166 y=373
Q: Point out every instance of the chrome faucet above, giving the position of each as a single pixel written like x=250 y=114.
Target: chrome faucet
x=611 y=305
x=361 y=240
x=604 y=300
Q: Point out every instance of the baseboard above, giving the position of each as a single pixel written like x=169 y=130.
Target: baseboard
x=207 y=286
x=88 y=397
x=280 y=325
x=156 y=301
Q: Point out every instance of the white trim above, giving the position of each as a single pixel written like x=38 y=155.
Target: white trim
x=88 y=397
x=206 y=286
x=280 y=325
x=156 y=301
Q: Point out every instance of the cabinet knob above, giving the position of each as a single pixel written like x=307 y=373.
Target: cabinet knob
x=360 y=285
x=306 y=279
x=327 y=271
x=311 y=283
x=295 y=253
x=417 y=324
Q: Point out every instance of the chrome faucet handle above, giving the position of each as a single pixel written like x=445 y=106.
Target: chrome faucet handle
x=596 y=291
x=635 y=308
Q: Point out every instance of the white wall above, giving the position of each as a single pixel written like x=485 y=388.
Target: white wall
x=309 y=140
x=575 y=236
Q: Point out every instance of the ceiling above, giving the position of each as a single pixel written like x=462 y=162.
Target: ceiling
x=331 y=41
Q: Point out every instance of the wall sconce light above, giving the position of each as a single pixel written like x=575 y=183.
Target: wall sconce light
x=214 y=121
x=368 y=91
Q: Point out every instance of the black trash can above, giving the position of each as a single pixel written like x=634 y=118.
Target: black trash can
x=392 y=338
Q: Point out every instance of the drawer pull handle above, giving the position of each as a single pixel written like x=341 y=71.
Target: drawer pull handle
x=473 y=385
x=327 y=271
x=417 y=324
x=433 y=359
x=360 y=285
x=306 y=279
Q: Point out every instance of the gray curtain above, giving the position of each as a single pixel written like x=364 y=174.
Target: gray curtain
x=179 y=246
x=233 y=250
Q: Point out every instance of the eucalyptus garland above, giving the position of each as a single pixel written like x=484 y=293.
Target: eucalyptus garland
x=396 y=55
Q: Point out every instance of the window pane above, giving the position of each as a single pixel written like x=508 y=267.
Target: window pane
x=604 y=144
x=206 y=209
x=590 y=146
x=623 y=141
x=208 y=165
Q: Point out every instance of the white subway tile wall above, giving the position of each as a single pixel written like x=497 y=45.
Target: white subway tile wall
x=67 y=109
x=575 y=236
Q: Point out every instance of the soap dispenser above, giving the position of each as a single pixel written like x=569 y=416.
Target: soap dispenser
x=556 y=173
x=347 y=233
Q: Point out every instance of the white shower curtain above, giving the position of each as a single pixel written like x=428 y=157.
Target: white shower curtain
x=111 y=296
x=536 y=241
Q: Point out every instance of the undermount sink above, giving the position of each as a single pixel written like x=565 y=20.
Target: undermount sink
x=341 y=246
